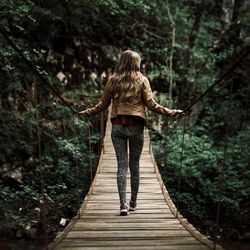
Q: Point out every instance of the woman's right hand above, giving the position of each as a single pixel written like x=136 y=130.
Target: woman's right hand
x=84 y=112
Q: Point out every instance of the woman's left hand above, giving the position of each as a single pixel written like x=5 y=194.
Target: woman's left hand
x=178 y=112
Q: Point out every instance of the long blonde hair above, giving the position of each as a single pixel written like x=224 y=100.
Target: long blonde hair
x=125 y=82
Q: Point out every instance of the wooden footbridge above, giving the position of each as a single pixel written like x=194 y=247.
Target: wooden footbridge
x=156 y=224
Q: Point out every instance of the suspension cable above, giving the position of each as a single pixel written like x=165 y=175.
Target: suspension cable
x=77 y=170
x=90 y=152
x=180 y=167
x=30 y=64
x=222 y=171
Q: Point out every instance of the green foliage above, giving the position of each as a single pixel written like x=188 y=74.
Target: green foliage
x=204 y=167
x=63 y=151
x=80 y=40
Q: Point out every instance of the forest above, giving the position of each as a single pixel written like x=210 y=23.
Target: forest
x=55 y=57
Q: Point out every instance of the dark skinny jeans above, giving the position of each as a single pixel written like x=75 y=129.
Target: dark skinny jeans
x=122 y=136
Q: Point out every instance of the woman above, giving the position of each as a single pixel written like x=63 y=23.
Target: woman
x=130 y=93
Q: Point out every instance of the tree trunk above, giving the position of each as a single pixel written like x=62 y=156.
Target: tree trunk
x=230 y=18
x=191 y=42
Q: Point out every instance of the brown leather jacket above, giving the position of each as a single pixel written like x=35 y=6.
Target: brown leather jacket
x=136 y=107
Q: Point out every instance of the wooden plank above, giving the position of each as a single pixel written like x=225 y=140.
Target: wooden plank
x=131 y=219
x=147 y=187
x=143 y=171
x=131 y=225
x=114 y=196
x=128 y=234
x=180 y=244
x=150 y=190
x=113 y=175
x=118 y=247
x=134 y=216
x=140 y=203
x=140 y=207
x=135 y=241
x=139 y=211
x=112 y=181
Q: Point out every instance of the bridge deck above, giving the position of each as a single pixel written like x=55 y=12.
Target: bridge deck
x=152 y=226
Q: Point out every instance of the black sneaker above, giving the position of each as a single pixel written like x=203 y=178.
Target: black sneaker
x=132 y=206
x=124 y=209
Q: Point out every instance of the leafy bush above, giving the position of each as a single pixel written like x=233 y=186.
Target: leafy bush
x=206 y=178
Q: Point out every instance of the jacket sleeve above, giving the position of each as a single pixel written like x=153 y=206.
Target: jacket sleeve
x=149 y=101
x=103 y=103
